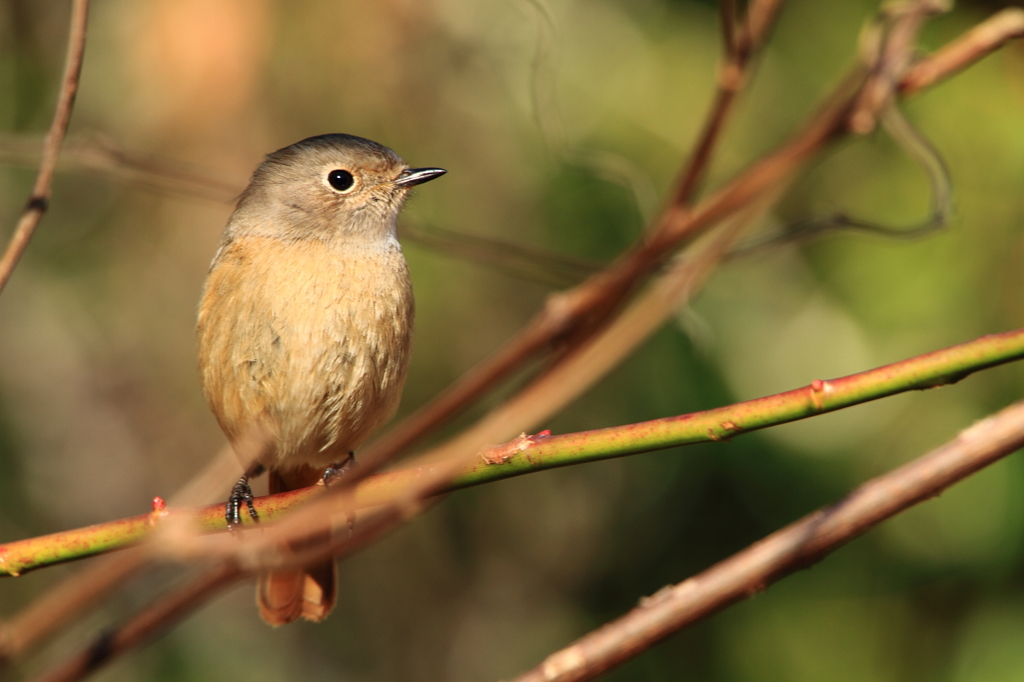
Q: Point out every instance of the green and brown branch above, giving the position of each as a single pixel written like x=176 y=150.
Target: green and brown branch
x=529 y=454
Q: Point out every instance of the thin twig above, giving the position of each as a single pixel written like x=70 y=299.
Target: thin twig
x=972 y=46
x=741 y=43
x=39 y=200
x=90 y=152
x=522 y=261
x=727 y=23
x=760 y=20
x=797 y=546
x=99 y=153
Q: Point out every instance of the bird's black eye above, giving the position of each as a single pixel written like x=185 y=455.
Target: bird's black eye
x=341 y=180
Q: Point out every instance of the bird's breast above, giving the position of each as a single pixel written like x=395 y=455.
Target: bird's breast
x=307 y=341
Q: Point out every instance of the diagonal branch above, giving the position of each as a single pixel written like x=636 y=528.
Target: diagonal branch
x=169 y=609
x=39 y=200
x=799 y=545
x=529 y=454
x=593 y=301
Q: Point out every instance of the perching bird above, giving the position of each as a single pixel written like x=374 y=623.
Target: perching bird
x=304 y=325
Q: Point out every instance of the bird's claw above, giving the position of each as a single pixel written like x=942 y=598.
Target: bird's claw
x=239 y=494
x=337 y=469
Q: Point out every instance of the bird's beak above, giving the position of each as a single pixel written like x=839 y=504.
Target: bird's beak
x=417 y=176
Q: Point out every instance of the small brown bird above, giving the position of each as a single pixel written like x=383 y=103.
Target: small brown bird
x=304 y=326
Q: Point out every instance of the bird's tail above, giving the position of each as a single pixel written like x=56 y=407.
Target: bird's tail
x=308 y=592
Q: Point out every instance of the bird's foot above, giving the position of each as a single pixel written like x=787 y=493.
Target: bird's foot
x=337 y=469
x=332 y=474
x=239 y=494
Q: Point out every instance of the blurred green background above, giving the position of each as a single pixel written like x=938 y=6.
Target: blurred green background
x=562 y=123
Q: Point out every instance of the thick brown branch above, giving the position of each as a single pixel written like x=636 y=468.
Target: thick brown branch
x=62 y=603
x=795 y=547
x=171 y=609
x=42 y=189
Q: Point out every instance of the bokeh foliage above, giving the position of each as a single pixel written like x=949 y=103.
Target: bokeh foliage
x=561 y=124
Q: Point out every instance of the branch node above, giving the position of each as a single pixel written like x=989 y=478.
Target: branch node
x=500 y=454
x=661 y=595
x=37 y=204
